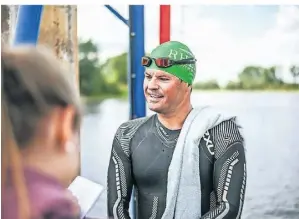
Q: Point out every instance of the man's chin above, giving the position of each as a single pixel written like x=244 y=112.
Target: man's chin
x=155 y=108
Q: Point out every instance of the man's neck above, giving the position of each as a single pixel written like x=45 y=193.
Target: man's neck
x=176 y=119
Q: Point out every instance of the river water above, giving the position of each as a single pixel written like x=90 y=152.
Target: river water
x=270 y=123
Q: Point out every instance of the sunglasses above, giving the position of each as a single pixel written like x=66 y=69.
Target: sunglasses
x=165 y=62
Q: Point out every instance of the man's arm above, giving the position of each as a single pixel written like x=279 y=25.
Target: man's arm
x=229 y=172
x=119 y=180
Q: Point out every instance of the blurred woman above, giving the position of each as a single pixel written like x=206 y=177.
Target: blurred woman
x=39 y=146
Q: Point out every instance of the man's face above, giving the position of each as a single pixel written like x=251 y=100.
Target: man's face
x=163 y=91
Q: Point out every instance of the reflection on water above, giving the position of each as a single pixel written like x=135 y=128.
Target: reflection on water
x=270 y=122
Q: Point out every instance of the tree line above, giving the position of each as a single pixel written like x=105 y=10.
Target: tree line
x=110 y=78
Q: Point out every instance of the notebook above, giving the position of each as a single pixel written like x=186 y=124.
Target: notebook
x=87 y=192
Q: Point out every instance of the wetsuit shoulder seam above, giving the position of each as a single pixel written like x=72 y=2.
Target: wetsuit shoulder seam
x=126 y=132
x=229 y=146
x=224 y=135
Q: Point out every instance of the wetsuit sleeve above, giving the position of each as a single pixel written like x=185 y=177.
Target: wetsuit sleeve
x=229 y=179
x=119 y=180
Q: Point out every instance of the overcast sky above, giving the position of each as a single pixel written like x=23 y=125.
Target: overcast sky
x=223 y=38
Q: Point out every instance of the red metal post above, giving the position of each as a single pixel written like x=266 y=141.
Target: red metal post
x=164 y=23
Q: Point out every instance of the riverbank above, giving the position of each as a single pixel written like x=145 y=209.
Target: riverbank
x=249 y=91
x=100 y=98
x=124 y=96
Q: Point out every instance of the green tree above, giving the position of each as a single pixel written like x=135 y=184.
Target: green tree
x=256 y=77
x=295 y=72
x=95 y=79
x=92 y=81
x=232 y=85
x=88 y=65
x=251 y=77
x=211 y=84
x=116 y=68
x=270 y=79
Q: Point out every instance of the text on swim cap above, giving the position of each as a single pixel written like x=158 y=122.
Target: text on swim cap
x=173 y=54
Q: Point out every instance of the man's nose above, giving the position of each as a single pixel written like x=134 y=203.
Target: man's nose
x=152 y=84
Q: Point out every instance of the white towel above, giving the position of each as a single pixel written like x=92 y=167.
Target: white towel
x=183 y=188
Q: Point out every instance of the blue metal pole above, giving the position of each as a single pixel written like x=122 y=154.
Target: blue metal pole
x=28 y=23
x=118 y=15
x=136 y=51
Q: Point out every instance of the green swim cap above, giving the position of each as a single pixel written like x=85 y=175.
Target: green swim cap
x=176 y=51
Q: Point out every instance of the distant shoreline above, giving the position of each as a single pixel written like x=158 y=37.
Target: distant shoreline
x=252 y=91
x=91 y=99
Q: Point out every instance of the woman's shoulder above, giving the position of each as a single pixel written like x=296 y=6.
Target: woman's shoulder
x=54 y=203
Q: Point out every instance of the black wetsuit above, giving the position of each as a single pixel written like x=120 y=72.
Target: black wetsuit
x=141 y=154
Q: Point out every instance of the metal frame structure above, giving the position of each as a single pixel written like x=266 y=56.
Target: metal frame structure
x=28 y=24
x=164 y=23
x=27 y=31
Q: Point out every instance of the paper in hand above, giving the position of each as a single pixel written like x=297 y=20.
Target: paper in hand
x=87 y=192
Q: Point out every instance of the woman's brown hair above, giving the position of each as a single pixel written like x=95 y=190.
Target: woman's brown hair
x=33 y=83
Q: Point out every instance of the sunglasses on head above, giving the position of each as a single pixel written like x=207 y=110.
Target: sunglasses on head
x=165 y=62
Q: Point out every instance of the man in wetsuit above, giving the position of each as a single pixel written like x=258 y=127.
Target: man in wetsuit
x=142 y=148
